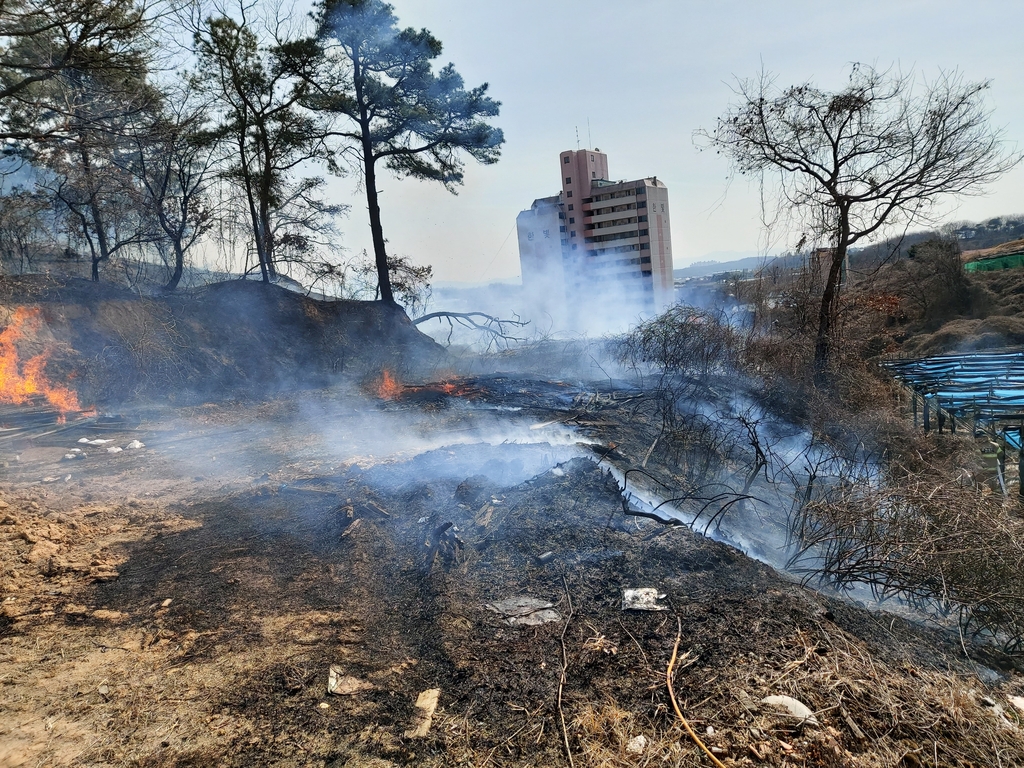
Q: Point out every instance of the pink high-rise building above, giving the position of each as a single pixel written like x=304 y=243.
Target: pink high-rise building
x=599 y=245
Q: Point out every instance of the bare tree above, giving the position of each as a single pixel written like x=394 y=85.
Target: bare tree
x=246 y=68
x=172 y=158
x=877 y=153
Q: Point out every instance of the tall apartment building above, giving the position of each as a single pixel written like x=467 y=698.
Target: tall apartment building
x=599 y=245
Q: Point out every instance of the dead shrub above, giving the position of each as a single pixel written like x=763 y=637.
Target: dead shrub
x=936 y=542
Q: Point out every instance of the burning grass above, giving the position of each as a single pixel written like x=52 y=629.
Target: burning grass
x=23 y=380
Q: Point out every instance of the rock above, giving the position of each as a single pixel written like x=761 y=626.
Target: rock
x=426 y=704
x=75 y=610
x=524 y=611
x=792 y=707
x=112 y=616
x=636 y=745
x=42 y=552
x=341 y=684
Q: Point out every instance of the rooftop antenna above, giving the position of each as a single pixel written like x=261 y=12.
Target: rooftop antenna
x=577 y=138
x=590 y=140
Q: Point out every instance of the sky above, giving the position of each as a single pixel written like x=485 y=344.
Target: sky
x=652 y=72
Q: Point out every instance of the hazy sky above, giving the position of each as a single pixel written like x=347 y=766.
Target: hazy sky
x=654 y=71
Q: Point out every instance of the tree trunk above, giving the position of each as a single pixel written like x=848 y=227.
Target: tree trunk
x=376 y=230
x=179 y=266
x=827 y=313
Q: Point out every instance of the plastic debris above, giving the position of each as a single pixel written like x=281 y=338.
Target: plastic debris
x=642 y=599
x=114 y=449
x=524 y=611
x=134 y=444
x=426 y=704
x=792 y=707
x=340 y=684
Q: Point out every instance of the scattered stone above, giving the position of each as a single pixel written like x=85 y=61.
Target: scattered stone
x=524 y=611
x=103 y=690
x=426 y=704
x=636 y=745
x=324 y=705
x=642 y=599
x=792 y=707
x=111 y=616
x=340 y=684
x=166 y=602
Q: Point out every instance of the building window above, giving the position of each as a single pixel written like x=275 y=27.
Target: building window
x=645 y=246
x=642 y=204
x=566 y=159
x=574 y=246
x=561 y=229
x=572 y=219
x=573 y=233
x=569 y=193
x=568 y=179
x=641 y=218
x=591 y=158
x=593 y=174
x=643 y=232
x=570 y=206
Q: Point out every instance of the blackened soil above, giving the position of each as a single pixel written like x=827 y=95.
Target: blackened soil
x=350 y=571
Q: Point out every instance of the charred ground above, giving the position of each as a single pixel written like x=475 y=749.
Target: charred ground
x=182 y=604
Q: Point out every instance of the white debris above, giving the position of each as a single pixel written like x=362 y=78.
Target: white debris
x=97 y=441
x=642 y=599
x=1017 y=701
x=134 y=444
x=114 y=449
x=340 y=684
x=524 y=611
x=50 y=479
x=558 y=472
x=73 y=456
x=83 y=440
x=76 y=450
x=791 y=706
x=636 y=745
x=423 y=519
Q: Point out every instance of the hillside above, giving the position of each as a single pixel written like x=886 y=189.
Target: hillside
x=230 y=338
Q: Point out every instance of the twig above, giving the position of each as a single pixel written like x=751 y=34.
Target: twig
x=672 y=695
x=561 y=680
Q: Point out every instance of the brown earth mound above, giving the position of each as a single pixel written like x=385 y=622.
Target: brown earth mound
x=231 y=338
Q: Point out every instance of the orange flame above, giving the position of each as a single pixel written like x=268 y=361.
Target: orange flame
x=20 y=383
x=388 y=389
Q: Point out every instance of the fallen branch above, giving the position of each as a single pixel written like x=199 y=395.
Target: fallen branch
x=478 y=321
x=672 y=695
x=561 y=680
